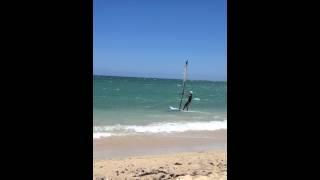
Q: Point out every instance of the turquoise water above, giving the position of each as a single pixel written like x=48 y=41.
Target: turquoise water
x=128 y=104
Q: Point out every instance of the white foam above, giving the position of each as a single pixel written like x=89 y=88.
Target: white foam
x=170 y=127
x=173 y=108
x=100 y=135
x=197 y=99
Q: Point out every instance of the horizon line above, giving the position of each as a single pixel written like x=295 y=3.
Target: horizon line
x=158 y=78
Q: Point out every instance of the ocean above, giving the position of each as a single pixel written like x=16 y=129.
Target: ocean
x=130 y=105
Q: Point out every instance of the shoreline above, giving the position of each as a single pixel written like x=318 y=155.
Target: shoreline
x=194 y=155
x=155 y=144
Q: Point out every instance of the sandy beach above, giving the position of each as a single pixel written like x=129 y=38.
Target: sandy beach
x=184 y=166
x=190 y=155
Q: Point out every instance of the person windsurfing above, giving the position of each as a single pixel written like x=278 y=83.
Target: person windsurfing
x=186 y=105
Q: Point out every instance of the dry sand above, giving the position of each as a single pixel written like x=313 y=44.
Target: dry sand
x=184 y=166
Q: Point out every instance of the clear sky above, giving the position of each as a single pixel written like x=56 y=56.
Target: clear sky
x=153 y=38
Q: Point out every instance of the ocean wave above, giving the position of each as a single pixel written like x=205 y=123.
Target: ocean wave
x=169 y=127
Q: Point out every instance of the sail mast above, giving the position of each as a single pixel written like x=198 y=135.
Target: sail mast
x=184 y=82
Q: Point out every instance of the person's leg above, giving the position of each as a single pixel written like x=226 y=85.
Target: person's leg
x=186 y=105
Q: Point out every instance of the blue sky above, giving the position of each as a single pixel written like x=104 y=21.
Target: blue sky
x=153 y=38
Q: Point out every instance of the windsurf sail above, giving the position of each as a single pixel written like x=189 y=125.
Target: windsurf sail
x=184 y=81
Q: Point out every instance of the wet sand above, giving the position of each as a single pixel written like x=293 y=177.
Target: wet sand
x=124 y=146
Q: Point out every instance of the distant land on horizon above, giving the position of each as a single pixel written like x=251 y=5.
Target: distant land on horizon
x=122 y=76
